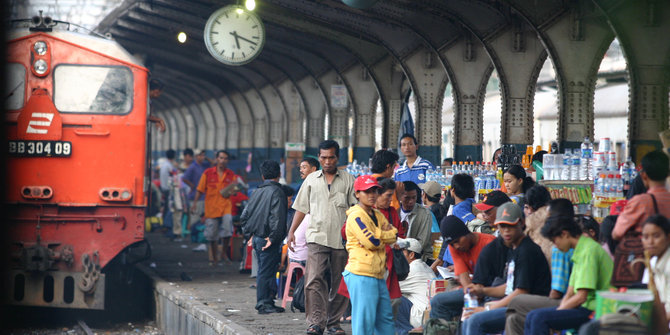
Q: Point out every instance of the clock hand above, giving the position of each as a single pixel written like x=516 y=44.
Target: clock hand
x=237 y=41
x=248 y=40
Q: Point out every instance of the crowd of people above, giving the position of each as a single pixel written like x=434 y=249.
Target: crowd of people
x=519 y=262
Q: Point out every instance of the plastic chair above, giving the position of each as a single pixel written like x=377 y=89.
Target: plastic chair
x=287 y=287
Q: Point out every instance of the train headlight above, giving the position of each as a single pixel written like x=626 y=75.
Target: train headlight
x=41 y=66
x=40 y=48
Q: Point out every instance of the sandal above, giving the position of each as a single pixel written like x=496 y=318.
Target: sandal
x=314 y=330
x=336 y=330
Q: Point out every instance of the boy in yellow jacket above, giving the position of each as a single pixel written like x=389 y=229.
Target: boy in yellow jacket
x=368 y=232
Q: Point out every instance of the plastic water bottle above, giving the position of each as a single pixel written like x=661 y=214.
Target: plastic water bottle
x=609 y=186
x=628 y=173
x=585 y=170
x=567 y=165
x=618 y=186
x=575 y=167
x=469 y=301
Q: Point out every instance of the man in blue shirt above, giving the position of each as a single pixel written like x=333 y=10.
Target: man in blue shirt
x=191 y=178
x=414 y=169
x=463 y=192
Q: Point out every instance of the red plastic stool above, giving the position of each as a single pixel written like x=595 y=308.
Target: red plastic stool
x=291 y=267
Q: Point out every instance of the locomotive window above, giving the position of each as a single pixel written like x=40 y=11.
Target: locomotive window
x=93 y=89
x=15 y=87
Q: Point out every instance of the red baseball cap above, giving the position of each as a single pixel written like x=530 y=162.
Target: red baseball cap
x=493 y=199
x=365 y=182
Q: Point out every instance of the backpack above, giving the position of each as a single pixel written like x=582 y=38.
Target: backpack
x=621 y=324
x=298 y=301
x=479 y=226
x=436 y=326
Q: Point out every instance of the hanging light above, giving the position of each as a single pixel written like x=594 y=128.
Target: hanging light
x=250 y=4
x=181 y=37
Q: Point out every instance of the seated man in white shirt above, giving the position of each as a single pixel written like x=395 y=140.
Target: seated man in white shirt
x=414 y=288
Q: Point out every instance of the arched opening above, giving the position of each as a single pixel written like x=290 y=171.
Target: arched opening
x=492 y=117
x=379 y=124
x=545 y=107
x=611 y=103
x=447 y=147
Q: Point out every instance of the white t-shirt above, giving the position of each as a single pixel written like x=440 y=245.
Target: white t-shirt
x=415 y=288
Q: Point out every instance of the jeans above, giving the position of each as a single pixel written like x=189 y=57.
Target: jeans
x=541 y=320
x=447 y=305
x=485 y=322
x=268 y=262
x=370 y=305
x=402 y=324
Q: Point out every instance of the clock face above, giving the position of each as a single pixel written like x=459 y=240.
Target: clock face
x=234 y=36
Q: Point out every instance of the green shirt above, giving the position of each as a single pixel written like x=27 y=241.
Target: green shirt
x=592 y=270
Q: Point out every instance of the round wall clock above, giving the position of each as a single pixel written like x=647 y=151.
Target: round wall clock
x=234 y=36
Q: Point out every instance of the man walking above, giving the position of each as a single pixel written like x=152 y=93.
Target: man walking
x=326 y=195
x=217 y=208
x=264 y=218
x=166 y=173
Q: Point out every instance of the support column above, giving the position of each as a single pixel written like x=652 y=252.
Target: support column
x=315 y=134
x=389 y=79
x=649 y=110
x=364 y=96
x=339 y=132
x=428 y=82
x=520 y=56
x=315 y=105
x=232 y=126
x=295 y=110
x=471 y=69
x=277 y=114
x=337 y=117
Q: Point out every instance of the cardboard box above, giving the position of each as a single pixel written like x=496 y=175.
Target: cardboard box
x=639 y=302
x=436 y=286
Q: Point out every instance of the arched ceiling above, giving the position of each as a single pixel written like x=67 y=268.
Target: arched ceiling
x=305 y=38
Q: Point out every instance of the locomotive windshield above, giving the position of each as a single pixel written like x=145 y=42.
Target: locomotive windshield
x=93 y=89
x=15 y=87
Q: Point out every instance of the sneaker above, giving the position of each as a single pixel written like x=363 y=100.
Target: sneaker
x=266 y=310
x=200 y=248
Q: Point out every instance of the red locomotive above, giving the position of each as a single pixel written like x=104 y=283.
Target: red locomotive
x=76 y=125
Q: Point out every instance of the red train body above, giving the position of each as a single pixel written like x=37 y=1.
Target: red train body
x=76 y=125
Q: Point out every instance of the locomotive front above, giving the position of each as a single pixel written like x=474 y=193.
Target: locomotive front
x=76 y=115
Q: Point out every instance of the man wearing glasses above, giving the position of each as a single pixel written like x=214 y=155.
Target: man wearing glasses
x=489 y=206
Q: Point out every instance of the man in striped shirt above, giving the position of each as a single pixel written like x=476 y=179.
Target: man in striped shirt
x=414 y=169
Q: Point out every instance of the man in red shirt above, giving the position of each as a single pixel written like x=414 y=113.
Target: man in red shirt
x=218 y=209
x=465 y=247
x=655 y=201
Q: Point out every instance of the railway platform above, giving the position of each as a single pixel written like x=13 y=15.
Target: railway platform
x=216 y=300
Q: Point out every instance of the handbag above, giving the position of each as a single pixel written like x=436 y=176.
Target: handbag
x=626 y=271
x=400 y=264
